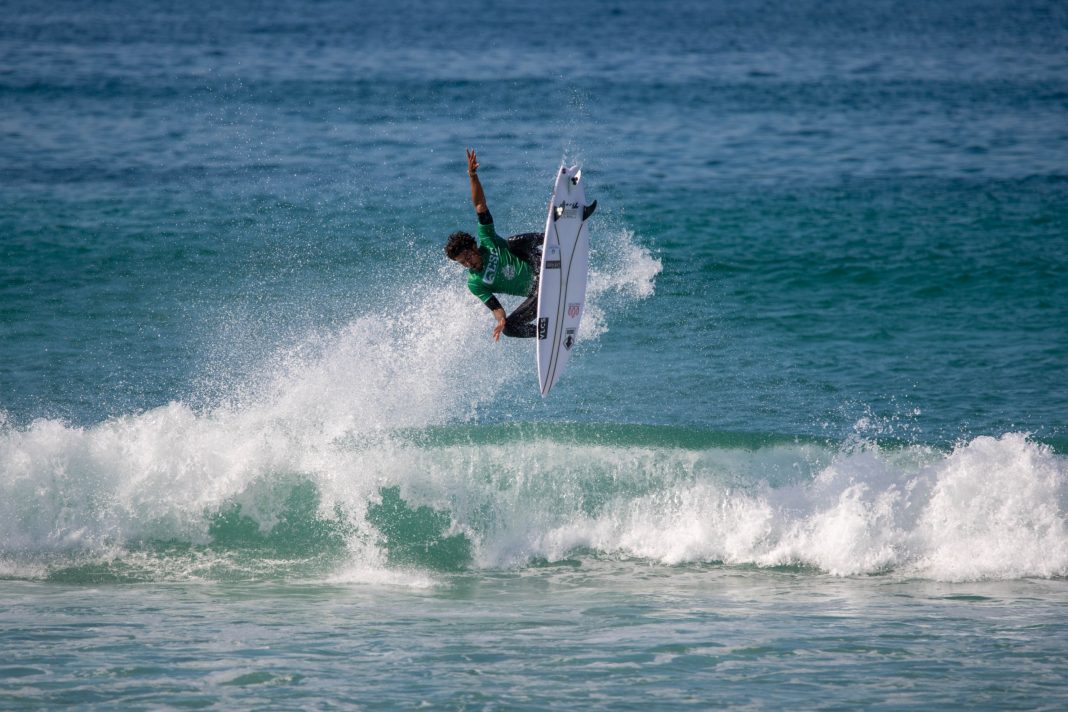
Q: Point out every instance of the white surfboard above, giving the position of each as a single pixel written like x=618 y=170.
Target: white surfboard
x=565 y=258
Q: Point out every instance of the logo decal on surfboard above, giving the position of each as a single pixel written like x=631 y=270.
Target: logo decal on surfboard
x=543 y=328
x=573 y=310
x=552 y=257
x=569 y=338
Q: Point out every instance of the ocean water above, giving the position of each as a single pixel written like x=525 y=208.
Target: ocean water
x=258 y=449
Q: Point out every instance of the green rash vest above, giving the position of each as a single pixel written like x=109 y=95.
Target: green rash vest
x=502 y=272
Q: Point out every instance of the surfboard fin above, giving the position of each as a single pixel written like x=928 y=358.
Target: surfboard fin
x=588 y=210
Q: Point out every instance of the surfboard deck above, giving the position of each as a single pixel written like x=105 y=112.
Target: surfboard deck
x=565 y=257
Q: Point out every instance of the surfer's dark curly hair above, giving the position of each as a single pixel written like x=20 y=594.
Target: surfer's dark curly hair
x=458 y=243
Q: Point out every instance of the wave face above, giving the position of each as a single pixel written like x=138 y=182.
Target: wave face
x=173 y=494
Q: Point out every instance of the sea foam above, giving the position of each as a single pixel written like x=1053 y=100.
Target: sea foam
x=992 y=508
x=320 y=413
x=316 y=454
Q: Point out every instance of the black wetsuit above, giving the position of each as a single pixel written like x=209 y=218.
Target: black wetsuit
x=525 y=247
x=520 y=323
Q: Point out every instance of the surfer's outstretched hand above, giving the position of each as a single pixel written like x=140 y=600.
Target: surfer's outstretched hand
x=498 y=329
x=478 y=196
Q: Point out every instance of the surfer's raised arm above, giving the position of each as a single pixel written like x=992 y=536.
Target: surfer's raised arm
x=478 y=196
x=492 y=267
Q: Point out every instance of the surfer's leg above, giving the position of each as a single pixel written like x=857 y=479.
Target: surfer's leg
x=520 y=323
x=527 y=246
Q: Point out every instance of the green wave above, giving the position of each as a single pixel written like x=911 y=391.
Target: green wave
x=278 y=528
x=417 y=536
x=300 y=543
x=625 y=435
x=603 y=434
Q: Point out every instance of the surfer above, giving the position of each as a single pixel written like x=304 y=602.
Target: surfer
x=498 y=266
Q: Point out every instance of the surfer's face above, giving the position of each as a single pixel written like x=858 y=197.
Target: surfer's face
x=470 y=259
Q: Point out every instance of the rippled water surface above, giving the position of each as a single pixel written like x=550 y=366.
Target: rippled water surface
x=257 y=447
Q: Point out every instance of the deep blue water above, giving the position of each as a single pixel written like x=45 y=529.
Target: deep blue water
x=818 y=406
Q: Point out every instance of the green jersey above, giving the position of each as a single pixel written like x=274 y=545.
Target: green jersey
x=502 y=272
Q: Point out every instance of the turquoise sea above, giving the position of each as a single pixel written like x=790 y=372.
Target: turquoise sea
x=258 y=448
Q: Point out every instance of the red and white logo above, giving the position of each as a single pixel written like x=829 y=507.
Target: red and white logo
x=573 y=310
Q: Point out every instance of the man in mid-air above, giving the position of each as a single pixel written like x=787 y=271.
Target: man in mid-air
x=498 y=266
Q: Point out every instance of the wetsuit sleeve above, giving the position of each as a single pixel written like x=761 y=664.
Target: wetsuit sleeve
x=485 y=218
